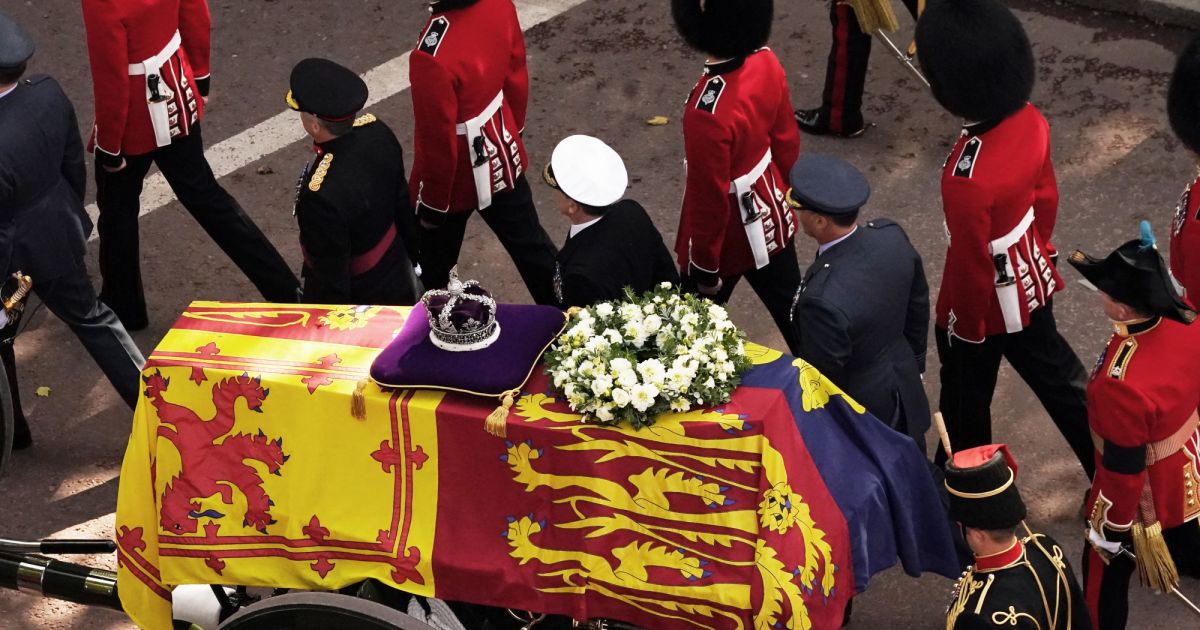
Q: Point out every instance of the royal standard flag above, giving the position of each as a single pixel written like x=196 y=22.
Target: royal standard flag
x=245 y=466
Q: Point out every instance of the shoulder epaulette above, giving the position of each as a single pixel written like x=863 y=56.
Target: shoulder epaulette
x=1120 y=363
x=966 y=161
x=365 y=119
x=432 y=39
x=35 y=79
x=879 y=224
x=711 y=95
x=318 y=176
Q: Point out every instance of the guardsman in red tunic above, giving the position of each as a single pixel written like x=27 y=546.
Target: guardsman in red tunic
x=1142 y=400
x=740 y=141
x=150 y=71
x=470 y=89
x=1000 y=202
x=1183 y=108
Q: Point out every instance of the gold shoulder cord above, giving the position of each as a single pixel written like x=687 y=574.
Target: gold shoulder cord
x=1063 y=586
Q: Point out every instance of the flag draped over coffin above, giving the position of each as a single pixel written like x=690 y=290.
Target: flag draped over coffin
x=245 y=467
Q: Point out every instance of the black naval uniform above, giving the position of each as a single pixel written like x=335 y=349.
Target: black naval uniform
x=1028 y=587
x=356 y=227
x=622 y=249
x=44 y=230
x=862 y=315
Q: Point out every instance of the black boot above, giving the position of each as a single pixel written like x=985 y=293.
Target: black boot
x=816 y=122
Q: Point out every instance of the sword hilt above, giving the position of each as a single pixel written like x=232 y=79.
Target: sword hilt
x=24 y=284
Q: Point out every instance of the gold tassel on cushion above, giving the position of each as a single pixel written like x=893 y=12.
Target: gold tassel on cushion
x=358 y=400
x=497 y=421
x=1156 y=569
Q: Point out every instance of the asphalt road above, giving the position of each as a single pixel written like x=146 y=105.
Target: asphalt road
x=603 y=68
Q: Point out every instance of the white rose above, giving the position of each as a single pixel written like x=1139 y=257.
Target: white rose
x=664 y=285
x=647 y=309
x=620 y=397
x=601 y=384
x=652 y=324
x=605 y=414
x=627 y=378
x=613 y=336
x=717 y=313
x=631 y=312
x=720 y=355
x=710 y=383
x=620 y=364
x=604 y=309
x=596 y=344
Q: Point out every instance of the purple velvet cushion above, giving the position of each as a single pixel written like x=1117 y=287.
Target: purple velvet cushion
x=412 y=361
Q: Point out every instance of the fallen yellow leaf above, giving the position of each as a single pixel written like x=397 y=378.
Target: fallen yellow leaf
x=43 y=391
x=658 y=121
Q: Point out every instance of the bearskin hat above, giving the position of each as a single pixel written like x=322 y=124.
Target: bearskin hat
x=724 y=28
x=977 y=58
x=1183 y=97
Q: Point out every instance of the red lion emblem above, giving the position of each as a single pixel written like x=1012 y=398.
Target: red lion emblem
x=210 y=467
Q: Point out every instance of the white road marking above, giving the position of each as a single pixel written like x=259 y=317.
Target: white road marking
x=277 y=132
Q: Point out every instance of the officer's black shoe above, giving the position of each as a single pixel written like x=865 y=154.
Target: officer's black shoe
x=816 y=122
x=22 y=438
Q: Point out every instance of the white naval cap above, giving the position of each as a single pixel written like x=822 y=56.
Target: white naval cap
x=588 y=171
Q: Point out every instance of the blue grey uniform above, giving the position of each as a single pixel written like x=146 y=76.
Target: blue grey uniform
x=862 y=314
x=44 y=228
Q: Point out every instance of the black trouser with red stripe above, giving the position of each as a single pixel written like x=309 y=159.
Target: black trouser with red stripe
x=846 y=72
x=1106 y=586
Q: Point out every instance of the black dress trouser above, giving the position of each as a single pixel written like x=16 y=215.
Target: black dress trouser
x=513 y=218
x=1044 y=361
x=187 y=171
x=73 y=300
x=1106 y=584
x=775 y=284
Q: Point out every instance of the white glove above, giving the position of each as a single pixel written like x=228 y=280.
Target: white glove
x=1097 y=540
x=3 y=318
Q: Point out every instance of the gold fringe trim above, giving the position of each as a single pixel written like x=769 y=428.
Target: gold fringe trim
x=1156 y=569
x=358 y=400
x=497 y=421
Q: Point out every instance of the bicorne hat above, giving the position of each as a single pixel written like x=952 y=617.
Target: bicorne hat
x=326 y=90
x=982 y=483
x=724 y=28
x=1135 y=274
x=976 y=57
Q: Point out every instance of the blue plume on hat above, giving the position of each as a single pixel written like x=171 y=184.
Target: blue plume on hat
x=1148 y=241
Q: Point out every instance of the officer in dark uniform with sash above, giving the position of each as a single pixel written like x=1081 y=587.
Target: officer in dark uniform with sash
x=1142 y=400
x=43 y=226
x=357 y=231
x=1020 y=579
x=862 y=310
x=612 y=243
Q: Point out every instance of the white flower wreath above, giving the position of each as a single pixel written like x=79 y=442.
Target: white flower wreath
x=647 y=355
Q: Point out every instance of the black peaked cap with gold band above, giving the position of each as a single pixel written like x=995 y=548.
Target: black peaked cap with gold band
x=1136 y=275
x=326 y=90
x=982 y=483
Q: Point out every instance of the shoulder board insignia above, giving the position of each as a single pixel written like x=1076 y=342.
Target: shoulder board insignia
x=318 y=176
x=880 y=223
x=965 y=167
x=711 y=95
x=365 y=119
x=36 y=79
x=1120 y=363
x=432 y=39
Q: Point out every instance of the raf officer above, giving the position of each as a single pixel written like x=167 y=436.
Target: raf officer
x=612 y=244
x=1017 y=581
x=352 y=203
x=862 y=310
x=43 y=226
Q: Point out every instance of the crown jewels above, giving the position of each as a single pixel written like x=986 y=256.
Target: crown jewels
x=462 y=317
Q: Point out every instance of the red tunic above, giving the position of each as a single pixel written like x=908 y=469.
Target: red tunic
x=466 y=59
x=738 y=111
x=123 y=33
x=1000 y=197
x=1145 y=387
x=1185 y=244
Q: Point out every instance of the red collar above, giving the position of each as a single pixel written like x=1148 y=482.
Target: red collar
x=1000 y=560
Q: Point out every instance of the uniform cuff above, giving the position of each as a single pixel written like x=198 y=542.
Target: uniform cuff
x=430 y=215
x=111 y=160
x=703 y=276
x=202 y=84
